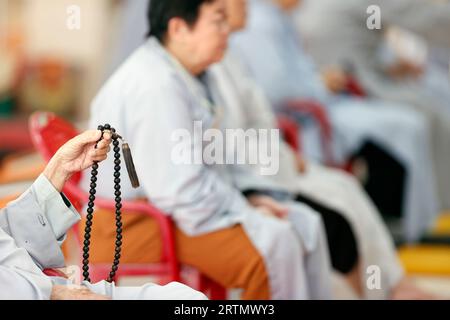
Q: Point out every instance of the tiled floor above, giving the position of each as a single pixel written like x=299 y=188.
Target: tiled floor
x=437 y=285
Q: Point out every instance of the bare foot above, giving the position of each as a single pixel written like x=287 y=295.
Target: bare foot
x=407 y=290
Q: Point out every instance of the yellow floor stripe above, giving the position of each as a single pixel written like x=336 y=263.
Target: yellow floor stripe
x=426 y=259
x=443 y=225
x=429 y=259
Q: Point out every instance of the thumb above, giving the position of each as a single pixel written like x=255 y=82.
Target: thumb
x=87 y=137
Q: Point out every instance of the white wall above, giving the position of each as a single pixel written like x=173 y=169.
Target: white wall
x=47 y=34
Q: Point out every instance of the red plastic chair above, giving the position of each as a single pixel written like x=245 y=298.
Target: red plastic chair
x=319 y=114
x=49 y=133
x=290 y=131
x=354 y=88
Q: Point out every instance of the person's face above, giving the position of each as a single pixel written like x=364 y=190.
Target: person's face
x=237 y=14
x=207 y=40
x=288 y=4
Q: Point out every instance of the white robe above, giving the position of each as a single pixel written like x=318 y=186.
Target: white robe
x=357 y=48
x=291 y=74
x=148 y=99
x=32 y=228
x=246 y=107
x=131 y=31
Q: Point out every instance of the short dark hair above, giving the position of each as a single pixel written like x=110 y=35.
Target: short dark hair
x=161 y=11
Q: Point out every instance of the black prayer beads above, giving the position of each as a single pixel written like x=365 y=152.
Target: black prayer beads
x=118 y=208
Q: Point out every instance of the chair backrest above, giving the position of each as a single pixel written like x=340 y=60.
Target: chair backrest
x=291 y=132
x=49 y=133
x=355 y=88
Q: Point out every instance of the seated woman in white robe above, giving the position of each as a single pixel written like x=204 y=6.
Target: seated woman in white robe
x=33 y=227
x=352 y=45
x=268 y=250
x=330 y=192
x=270 y=48
x=407 y=58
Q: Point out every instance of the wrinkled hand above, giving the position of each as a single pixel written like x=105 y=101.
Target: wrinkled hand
x=302 y=164
x=335 y=79
x=74 y=293
x=269 y=206
x=405 y=69
x=77 y=155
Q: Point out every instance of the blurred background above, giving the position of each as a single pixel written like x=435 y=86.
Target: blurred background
x=52 y=61
x=52 y=58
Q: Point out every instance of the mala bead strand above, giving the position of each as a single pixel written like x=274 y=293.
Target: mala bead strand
x=118 y=209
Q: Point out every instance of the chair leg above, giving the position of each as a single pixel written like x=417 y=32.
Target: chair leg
x=98 y=273
x=211 y=288
x=218 y=292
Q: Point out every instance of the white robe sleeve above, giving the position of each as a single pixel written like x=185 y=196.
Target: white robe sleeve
x=38 y=222
x=31 y=231
x=17 y=284
x=20 y=277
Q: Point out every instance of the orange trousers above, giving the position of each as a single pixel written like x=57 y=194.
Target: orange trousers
x=227 y=256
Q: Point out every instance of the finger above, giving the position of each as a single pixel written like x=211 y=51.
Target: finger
x=88 y=137
x=302 y=165
x=102 y=151
x=267 y=212
x=282 y=211
x=103 y=143
x=104 y=147
x=279 y=209
x=107 y=135
x=282 y=214
x=101 y=155
x=96 y=153
x=99 y=158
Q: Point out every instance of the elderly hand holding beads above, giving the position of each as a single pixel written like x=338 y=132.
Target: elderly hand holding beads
x=77 y=155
